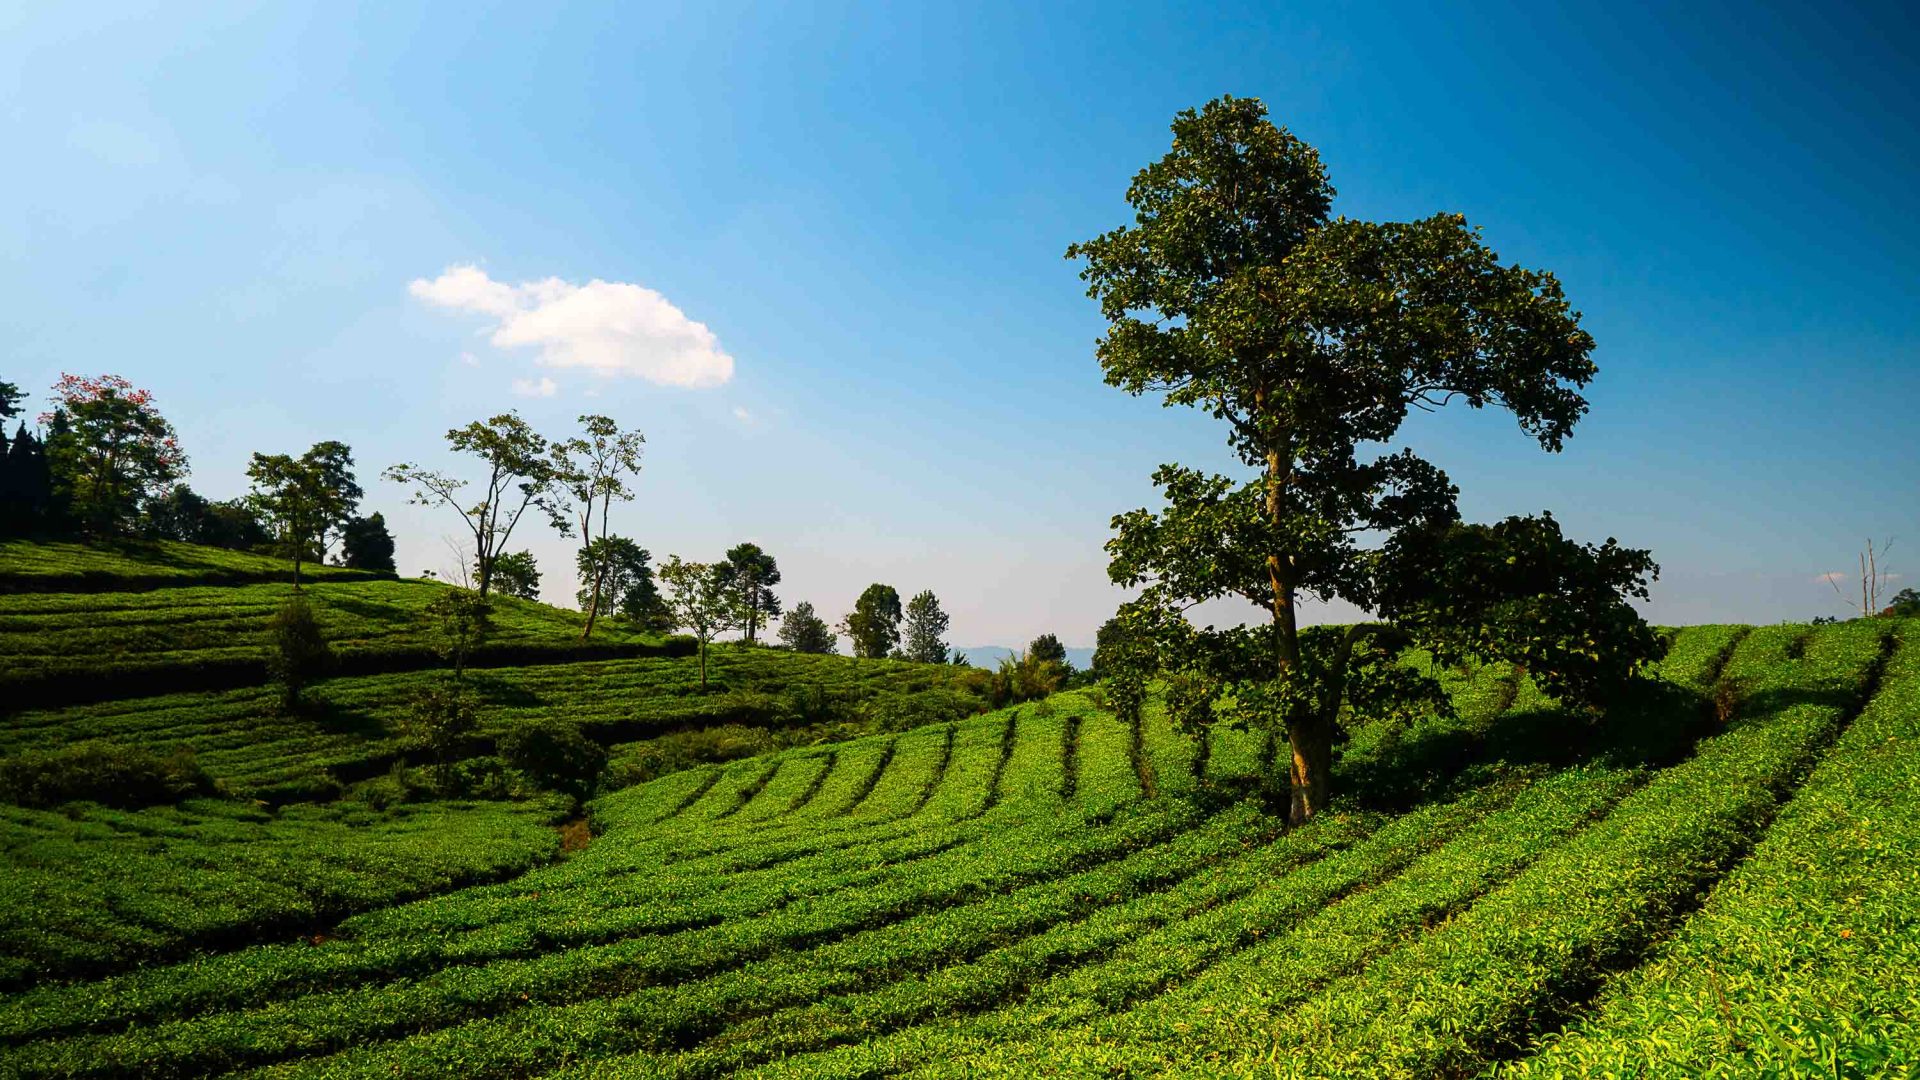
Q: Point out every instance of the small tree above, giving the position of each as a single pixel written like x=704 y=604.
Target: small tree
x=698 y=599
x=926 y=627
x=804 y=631
x=519 y=477
x=625 y=584
x=442 y=715
x=461 y=619
x=1872 y=579
x=1905 y=605
x=365 y=544
x=874 y=623
x=308 y=498
x=108 y=450
x=589 y=470
x=557 y=755
x=517 y=574
x=1048 y=647
x=299 y=654
x=750 y=575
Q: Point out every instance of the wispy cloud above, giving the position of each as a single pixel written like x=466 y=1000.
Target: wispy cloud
x=1831 y=577
x=611 y=328
x=528 y=388
x=741 y=414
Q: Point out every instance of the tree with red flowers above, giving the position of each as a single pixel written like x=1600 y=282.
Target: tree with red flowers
x=109 y=450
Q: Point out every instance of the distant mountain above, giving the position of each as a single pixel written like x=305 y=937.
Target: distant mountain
x=989 y=656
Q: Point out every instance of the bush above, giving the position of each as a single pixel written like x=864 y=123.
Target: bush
x=298 y=653
x=122 y=776
x=441 y=716
x=556 y=755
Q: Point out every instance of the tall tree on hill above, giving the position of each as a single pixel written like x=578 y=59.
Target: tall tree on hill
x=108 y=451
x=365 y=544
x=307 y=499
x=1312 y=337
x=590 y=468
x=700 y=604
x=519 y=477
x=926 y=630
x=806 y=632
x=10 y=399
x=874 y=622
x=624 y=577
x=26 y=496
x=750 y=575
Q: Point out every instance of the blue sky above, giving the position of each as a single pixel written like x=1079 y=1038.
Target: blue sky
x=866 y=206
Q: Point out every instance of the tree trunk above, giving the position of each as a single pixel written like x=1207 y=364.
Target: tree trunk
x=593 y=597
x=703 y=665
x=1311 y=740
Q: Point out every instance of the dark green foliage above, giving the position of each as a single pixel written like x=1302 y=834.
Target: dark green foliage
x=10 y=399
x=803 y=631
x=925 y=630
x=749 y=575
x=874 y=623
x=1048 y=647
x=26 y=487
x=515 y=573
x=627 y=588
x=556 y=756
x=365 y=543
x=1519 y=591
x=299 y=653
x=1905 y=605
x=1020 y=678
x=699 y=602
x=106 y=773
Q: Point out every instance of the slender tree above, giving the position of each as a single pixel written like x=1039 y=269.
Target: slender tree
x=874 y=622
x=698 y=600
x=519 y=477
x=750 y=575
x=26 y=498
x=108 y=451
x=626 y=586
x=1311 y=338
x=804 y=631
x=590 y=469
x=308 y=499
x=925 y=630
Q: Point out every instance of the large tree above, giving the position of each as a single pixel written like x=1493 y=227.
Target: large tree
x=26 y=495
x=698 y=602
x=517 y=574
x=590 y=469
x=926 y=630
x=1311 y=338
x=804 y=631
x=109 y=451
x=308 y=499
x=519 y=477
x=620 y=570
x=750 y=575
x=874 y=622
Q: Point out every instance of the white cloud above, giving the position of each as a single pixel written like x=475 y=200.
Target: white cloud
x=469 y=359
x=611 y=328
x=741 y=414
x=1830 y=577
x=528 y=388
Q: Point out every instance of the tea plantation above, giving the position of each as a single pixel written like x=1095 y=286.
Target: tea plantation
x=1718 y=878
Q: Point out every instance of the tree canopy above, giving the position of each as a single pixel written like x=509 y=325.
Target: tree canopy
x=1312 y=338
x=307 y=499
x=750 y=575
x=590 y=469
x=698 y=602
x=874 y=622
x=516 y=573
x=519 y=477
x=925 y=630
x=365 y=543
x=108 y=451
x=804 y=631
x=621 y=571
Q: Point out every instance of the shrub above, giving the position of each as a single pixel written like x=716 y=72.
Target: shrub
x=122 y=776
x=298 y=652
x=556 y=755
x=441 y=716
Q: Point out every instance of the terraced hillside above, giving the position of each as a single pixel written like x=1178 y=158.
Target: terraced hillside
x=1716 y=880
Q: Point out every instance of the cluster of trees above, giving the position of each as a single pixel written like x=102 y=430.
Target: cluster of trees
x=107 y=464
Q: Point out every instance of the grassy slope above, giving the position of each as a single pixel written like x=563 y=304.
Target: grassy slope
x=64 y=566
x=936 y=900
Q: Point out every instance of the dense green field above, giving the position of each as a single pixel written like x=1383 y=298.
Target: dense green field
x=1716 y=878
x=1679 y=889
x=64 y=566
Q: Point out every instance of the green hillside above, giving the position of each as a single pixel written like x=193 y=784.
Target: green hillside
x=1043 y=890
